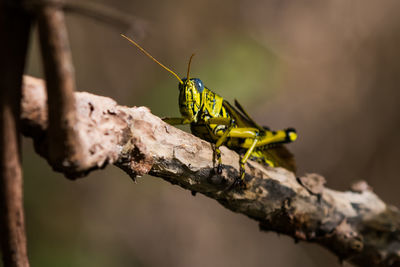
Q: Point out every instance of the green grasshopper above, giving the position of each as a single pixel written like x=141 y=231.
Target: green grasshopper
x=215 y=120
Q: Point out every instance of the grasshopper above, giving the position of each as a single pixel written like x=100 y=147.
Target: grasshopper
x=215 y=120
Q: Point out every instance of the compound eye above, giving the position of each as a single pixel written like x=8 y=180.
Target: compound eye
x=199 y=85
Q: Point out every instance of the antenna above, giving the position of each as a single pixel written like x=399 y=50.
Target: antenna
x=190 y=61
x=152 y=58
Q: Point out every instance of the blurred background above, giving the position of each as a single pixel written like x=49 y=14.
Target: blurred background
x=331 y=69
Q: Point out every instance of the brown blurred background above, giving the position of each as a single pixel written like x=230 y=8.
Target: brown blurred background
x=331 y=69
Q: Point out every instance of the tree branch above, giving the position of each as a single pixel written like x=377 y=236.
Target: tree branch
x=355 y=225
x=64 y=148
x=121 y=21
x=15 y=26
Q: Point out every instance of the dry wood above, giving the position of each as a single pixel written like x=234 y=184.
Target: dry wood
x=355 y=225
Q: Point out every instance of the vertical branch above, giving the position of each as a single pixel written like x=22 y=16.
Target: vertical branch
x=14 y=32
x=64 y=148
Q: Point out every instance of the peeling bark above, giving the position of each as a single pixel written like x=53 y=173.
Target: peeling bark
x=355 y=225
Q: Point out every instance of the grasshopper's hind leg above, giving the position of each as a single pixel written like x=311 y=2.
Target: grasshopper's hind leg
x=240 y=180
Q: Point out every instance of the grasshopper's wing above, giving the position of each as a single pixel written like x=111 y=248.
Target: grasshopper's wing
x=279 y=154
x=241 y=119
x=240 y=107
x=281 y=157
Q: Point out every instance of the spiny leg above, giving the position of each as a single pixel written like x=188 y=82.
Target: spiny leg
x=218 y=157
x=243 y=161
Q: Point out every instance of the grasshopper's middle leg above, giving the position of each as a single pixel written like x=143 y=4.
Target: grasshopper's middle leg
x=219 y=143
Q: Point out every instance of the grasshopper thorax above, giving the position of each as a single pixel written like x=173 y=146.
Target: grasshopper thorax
x=190 y=98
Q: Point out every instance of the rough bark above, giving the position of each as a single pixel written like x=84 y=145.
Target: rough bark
x=14 y=32
x=356 y=225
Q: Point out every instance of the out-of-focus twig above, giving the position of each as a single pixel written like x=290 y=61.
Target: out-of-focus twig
x=64 y=142
x=14 y=32
x=122 y=21
x=108 y=15
x=356 y=225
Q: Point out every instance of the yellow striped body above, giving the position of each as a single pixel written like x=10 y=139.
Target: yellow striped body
x=198 y=105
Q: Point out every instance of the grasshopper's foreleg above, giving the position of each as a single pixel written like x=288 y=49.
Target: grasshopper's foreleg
x=176 y=121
